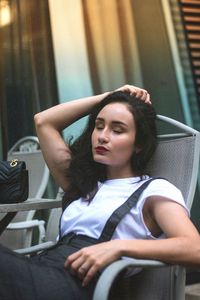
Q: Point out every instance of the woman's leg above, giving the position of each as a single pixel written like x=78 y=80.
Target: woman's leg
x=39 y=278
x=59 y=281
x=15 y=276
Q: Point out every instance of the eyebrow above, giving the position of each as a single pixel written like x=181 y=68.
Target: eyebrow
x=113 y=122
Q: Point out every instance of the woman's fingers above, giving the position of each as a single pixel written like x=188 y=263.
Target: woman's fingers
x=90 y=274
x=86 y=262
x=79 y=263
x=139 y=93
x=74 y=262
x=145 y=96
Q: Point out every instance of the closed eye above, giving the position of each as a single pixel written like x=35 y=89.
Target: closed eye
x=118 y=131
x=116 y=126
x=99 y=125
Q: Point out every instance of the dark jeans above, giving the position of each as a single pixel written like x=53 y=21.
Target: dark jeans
x=43 y=277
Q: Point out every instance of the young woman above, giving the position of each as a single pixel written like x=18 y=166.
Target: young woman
x=98 y=173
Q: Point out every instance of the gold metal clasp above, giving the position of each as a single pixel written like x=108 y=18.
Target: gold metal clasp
x=13 y=163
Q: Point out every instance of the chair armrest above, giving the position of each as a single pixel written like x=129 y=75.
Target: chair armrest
x=31 y=204
x=109 y=275
x=25 y=224
x=36 y=248
x=28 y=227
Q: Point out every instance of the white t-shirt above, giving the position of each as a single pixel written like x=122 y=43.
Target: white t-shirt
x=89 y=218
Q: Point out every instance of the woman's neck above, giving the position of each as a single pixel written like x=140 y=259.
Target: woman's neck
x=117 y=173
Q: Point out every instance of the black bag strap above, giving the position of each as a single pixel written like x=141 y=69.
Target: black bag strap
x=122 y=210
x=6 y=220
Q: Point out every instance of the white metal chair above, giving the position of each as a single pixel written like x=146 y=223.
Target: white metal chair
x=18 y=234
x=177 y=159
x=50 y=233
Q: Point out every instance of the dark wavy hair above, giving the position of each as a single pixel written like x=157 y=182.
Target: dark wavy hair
x=84 y=173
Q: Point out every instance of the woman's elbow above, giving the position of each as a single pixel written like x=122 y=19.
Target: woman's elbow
x=193 y=252
x=42 y=123
x=38 y=120
x=196 y=246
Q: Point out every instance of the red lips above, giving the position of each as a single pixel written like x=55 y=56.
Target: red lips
x=101 y=150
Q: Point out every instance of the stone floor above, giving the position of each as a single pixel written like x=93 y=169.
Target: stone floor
x=192 y=292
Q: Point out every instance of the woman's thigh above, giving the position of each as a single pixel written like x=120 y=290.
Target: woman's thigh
x=39 y=278
x=16 y=280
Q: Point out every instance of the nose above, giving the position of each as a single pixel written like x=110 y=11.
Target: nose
x=103 y=137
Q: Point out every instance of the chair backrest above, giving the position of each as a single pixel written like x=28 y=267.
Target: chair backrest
x=177 y=158
x=28 y=150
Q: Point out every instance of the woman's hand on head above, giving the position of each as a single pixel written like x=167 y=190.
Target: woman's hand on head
x=139 y=93
x=86 y=262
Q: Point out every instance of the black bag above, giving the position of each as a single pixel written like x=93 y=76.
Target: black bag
x=14 y=185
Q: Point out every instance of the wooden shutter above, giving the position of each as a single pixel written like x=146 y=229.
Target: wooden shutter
x=190 y=10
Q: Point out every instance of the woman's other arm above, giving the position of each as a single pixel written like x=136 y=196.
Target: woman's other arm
x=181 y=245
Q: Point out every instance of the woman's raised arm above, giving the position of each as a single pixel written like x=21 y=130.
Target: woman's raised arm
x=50 y=123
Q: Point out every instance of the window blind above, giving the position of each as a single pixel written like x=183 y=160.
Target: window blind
x=190 y=11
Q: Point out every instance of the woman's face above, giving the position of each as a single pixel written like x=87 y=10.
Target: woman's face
x=113 y=139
